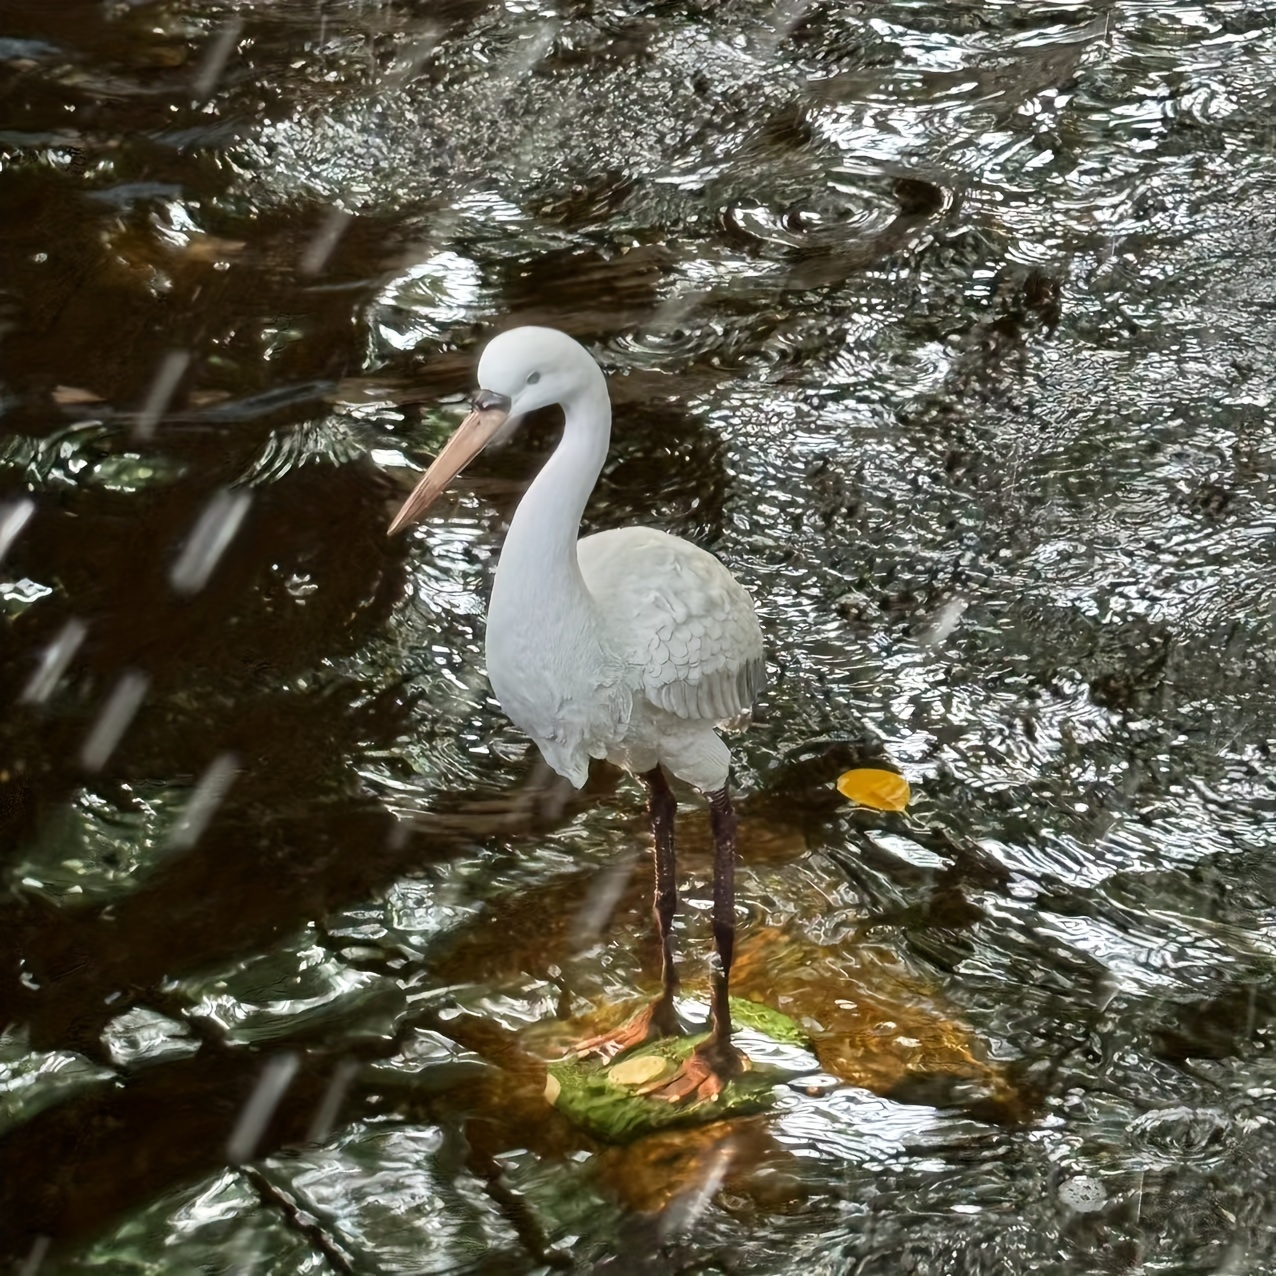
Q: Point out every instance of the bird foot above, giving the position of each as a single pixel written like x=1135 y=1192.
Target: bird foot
x=702 y=1075
x=656 y=1021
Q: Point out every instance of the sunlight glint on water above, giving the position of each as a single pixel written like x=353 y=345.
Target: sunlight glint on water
x=947 y=328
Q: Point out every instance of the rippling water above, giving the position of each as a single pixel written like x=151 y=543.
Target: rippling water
x=946 y=326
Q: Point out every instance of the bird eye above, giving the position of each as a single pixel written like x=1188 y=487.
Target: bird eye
x=533 y=378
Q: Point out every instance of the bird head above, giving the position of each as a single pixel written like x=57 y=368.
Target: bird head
x=529 y=368
x=519 y=371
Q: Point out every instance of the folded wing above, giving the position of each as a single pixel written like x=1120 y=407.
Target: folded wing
x=684 y=626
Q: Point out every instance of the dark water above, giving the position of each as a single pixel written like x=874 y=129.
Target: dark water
x=948 y=326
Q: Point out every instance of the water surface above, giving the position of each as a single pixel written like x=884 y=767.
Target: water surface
x=946 y=326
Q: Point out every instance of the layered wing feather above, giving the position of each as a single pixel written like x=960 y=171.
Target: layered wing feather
x=682 y=624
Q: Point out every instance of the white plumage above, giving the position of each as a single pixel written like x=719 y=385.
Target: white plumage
x=631 y=645
x=689 y=626
x=672 y=649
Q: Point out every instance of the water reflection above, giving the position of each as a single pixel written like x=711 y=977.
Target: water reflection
x=947 y=328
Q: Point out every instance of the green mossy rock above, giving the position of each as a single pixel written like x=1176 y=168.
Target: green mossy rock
x=601 y=1096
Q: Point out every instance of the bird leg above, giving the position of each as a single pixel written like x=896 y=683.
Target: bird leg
x=659 y=1019
x=715 y=1061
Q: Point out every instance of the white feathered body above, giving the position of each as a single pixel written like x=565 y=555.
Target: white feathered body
x=631 y=645
x=663 y=648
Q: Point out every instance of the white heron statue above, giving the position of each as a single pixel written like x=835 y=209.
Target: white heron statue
x=630 y=645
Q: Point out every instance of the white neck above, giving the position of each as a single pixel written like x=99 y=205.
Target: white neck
x=538 y=580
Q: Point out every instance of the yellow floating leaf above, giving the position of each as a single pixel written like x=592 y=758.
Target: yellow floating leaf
x=871 y=786
x=637 y=1071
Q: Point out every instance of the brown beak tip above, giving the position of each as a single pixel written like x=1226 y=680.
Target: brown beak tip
x=401 y=521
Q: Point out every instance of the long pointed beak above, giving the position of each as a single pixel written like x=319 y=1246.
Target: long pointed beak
x=469 y=440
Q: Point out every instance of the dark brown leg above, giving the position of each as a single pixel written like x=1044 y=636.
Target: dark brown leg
x=662 y=806
x=715 y=1061
x=723 y=822
x=660 y=1019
